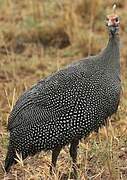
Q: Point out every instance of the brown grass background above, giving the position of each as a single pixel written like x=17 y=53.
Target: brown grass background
x=38 y=37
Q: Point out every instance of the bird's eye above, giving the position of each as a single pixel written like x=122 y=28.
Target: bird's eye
x=107 y=19
x=117 y=19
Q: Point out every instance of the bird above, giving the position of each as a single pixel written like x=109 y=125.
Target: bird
x=68 y=105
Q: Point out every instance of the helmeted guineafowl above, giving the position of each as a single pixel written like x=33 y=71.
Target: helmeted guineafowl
x=68 y=105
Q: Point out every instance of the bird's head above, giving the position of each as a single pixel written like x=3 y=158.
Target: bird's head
x=112 y=22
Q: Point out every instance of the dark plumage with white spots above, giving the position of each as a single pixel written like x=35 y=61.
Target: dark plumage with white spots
x=68 y=105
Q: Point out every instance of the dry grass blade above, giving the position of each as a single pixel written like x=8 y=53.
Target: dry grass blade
x=13 y=99
x=19 y=159
x=7 y=97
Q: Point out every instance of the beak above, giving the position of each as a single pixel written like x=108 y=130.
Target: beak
x=113 y=29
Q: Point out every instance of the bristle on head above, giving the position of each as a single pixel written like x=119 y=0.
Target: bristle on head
x=113 y=15
x=114 y=9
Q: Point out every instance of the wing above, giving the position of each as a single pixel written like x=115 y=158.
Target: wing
x=48 y=99
x=52 y=96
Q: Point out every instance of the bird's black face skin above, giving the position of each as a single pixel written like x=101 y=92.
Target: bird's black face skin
x=112 y=22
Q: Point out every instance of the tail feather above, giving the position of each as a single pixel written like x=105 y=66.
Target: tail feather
x=9 y=161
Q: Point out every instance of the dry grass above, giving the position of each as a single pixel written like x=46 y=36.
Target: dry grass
x=36 y=39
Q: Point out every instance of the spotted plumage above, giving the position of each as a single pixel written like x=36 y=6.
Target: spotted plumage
x=68 y=105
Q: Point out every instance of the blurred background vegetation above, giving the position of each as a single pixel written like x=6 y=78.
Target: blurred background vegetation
x=38 y=37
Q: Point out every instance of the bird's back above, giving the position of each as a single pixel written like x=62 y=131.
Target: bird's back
x=55 y=92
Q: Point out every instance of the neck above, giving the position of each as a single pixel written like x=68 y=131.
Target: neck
x=111 y=54
x=113 y=44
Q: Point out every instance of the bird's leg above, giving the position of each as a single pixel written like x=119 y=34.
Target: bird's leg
x=55 y=154
x=73 y=154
